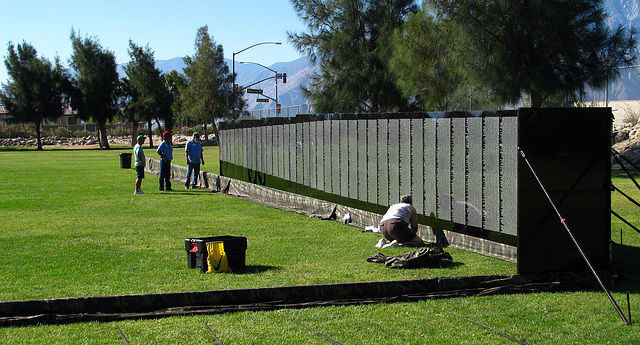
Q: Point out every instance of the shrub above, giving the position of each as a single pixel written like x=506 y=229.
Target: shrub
x=190 y=130
x=59 y=132
x=81 y=134
x=631 y=117
x=199 y=129
x=17 y=130
x=118 y=132
x=143 y=131
x=176 y=129
x=185 y=130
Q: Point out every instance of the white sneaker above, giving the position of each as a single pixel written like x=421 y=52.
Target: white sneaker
x=393 y=243
x=138 y=192
x=381 y=243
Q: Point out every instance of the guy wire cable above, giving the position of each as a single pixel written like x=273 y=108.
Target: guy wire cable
x=617 y=154
x=625 y=195
x=630 y=199
x=628 y=308
x=213 y=334
x=626 y=171
x=122 y=336
x=488 y=328
x=317 y=333
x=625 y=221
x=584 y=256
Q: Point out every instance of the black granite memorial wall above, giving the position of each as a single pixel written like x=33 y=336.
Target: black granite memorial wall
x=462 y=168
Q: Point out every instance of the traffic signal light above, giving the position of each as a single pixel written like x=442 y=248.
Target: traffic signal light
x=284 y=78
x=235 y=87
x=278 y=106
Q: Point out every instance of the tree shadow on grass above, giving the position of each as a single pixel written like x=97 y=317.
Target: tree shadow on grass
x=188 y=192
x=454 y=265
x=15 y=148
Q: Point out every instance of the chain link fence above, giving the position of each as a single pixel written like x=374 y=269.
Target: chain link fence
x=290 y=111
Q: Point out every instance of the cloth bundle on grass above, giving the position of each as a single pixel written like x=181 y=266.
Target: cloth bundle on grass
x=217 y=260
x=419 y=258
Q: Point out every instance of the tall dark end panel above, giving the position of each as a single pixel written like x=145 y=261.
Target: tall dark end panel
x=569 y=150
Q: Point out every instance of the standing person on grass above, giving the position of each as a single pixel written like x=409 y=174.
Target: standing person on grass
x=399 y=225
x=138 y=153
x=165 y=150
x=193 y=151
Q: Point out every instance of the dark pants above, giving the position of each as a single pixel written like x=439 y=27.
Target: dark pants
x=396 y=229
x=165 y=174
x=195 y=169
x=140 y=172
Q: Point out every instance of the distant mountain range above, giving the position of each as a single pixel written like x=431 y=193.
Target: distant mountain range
x=627 y=87
x=289 y=94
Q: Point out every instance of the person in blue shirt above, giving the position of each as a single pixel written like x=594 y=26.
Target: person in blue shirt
x=165 y=150
x=193 y=151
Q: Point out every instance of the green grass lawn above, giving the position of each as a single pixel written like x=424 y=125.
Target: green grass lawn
x=71 y=226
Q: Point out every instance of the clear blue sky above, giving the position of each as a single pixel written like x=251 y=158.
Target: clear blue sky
x=168 y=26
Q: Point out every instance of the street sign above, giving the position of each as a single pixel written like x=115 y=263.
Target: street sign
x=254 y=90
x=262 y=100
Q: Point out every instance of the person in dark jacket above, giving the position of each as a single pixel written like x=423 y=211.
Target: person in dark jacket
x=165 y=150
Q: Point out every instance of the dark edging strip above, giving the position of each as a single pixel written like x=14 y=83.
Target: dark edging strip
x=113 y=308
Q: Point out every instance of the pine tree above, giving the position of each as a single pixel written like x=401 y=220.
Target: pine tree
x=35 y=88
x=537 y=48
x=176 y=83
x=350 y=40
x=95 y=83
x=208 y=94
x=147 y=91
x=427 y=66
x=422 y=62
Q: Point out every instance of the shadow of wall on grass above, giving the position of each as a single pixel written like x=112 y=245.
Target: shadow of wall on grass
x=625 y=259
x=256 y=269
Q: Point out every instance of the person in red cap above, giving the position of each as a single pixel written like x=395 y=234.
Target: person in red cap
x=165 y=150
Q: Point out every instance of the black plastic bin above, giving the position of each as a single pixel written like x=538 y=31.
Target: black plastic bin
x=125 y=160
x=235 y=247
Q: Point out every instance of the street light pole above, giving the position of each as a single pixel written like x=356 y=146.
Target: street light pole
x=272 y=70
x=233 y=64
